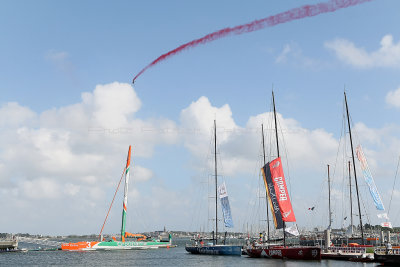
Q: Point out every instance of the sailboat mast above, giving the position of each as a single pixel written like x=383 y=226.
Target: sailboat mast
x=216 y=183
x=276 y=128
x=354 y=170
x=266 y=194
x=351 y=202
x=329 y=192
x=124 y=204
x=277 y=150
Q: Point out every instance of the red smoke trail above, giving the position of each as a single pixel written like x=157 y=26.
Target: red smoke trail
x=292 y=14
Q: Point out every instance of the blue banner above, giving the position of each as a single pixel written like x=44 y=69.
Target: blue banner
x=226 y=209
x=369 y=180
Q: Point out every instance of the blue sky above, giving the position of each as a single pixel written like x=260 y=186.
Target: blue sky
x=59 y=64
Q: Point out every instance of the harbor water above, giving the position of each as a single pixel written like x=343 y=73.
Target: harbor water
x=152 y=257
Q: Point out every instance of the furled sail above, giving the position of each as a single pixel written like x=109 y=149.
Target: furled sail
x=124 y=204
x=369 y=179
x=278 y=196
x=226 y=209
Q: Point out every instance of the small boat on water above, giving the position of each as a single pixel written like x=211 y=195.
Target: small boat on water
x=282 y=211
x=347 y=254
x=128 y=240
x=199 y=247
x=387 y=256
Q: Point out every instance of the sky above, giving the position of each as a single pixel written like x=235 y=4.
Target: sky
x=69 y=111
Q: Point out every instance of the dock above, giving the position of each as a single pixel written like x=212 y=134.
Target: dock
x=8 y=244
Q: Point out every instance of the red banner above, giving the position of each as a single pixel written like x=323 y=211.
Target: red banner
x=281 y=191
x=272 y=197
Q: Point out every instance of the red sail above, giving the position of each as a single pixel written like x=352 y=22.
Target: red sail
x=272 y=197
x=281 y=191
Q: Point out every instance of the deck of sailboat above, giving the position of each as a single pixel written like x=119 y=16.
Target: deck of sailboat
x=233 y=250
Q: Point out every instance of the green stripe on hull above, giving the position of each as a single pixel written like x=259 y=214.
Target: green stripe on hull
x=130 y=245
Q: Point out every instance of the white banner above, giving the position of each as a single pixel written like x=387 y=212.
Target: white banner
x=226 y=209
x=292 y=230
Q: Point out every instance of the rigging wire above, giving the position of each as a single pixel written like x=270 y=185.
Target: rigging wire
x=394 y=183
x=199 y=211
x=287 y=159
x=221 y=176
x=252 y=208
x=135 y=210
x=101 y=231
x=335 y=166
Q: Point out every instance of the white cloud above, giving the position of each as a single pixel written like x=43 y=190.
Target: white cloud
x=393 y=98
x=12 y=115
x=198 y=121
x=141 y=174
x=307 y=152
x=381 y=146
x=292 y=54
x=283 y=56
x=112 y=104
x=388 y=55
x=60 y=59
x=56 y=55
x=41 y=188
x=71 y=189
x=74 y=154
x=239 y=147
x=69 y=159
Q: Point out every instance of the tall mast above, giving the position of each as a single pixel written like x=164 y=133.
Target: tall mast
x=329 y=190
x=266 y=194
x=351 y=202
x=276 y=128
x=216 y=183
x=124 y=204
x=354 y=170
x=277 y=149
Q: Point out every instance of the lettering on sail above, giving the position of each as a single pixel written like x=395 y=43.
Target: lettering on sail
x=273 y=197
x=281 y=187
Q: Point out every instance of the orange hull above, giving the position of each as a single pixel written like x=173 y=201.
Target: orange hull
x=78 y=245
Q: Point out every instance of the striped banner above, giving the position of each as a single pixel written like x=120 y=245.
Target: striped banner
x=369 y=179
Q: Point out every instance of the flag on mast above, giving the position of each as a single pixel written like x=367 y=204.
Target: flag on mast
x=226 y=209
